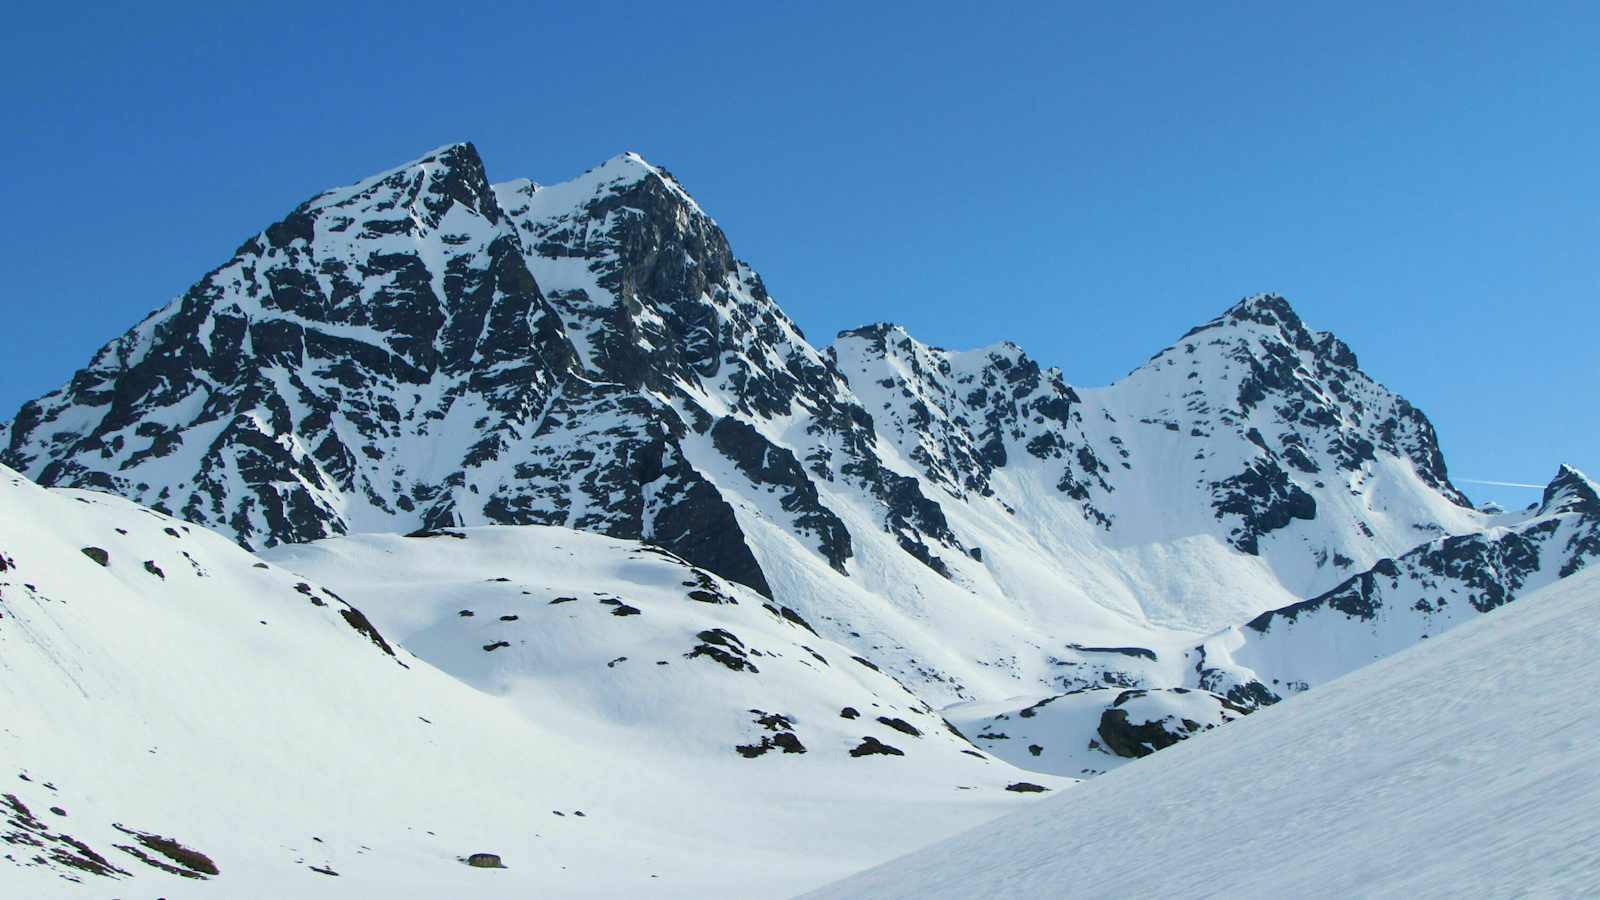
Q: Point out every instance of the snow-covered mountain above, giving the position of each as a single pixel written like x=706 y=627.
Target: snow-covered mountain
x=1401 y=601
x=1135 y=700
x=180 y=718
x=578 y=388
x=1462 y=766
x=427 y=349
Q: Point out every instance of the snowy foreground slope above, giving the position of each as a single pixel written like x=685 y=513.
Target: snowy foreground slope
x=1463 y=766
x=164 y=694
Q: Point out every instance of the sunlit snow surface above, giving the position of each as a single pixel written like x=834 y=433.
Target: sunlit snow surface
x=1464 y=766
x=187 y=690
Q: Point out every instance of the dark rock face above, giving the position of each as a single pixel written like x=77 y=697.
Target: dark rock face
x=766 y=463
x=1133 y=740
x=1264 y=498
x=485 y=861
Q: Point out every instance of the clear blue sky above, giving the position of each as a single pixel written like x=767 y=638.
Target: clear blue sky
x=1088 y=179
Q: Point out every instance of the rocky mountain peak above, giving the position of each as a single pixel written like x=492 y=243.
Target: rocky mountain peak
x=1266 y=309
x=1258 y=369
x=421 y=191
x=1274 y=320
x=1571 y=491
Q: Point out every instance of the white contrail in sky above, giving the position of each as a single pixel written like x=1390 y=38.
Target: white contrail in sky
x=1519 y=484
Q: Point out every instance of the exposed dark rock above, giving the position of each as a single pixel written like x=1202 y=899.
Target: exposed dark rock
x=900 y=725
x=195 y=863
x=871 y=746
x=1265 y=499
x=1137 y=652
x=433 y=533
x=794 y=617
x=21 y=829
x=358 y=620
x=765 y=463
x=724 y=647
x=1124 y=738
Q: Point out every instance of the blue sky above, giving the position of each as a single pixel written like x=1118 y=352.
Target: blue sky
x=1089 y=180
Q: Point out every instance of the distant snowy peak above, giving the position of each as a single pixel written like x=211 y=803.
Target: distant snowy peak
x=1571 y=491
x=1273 y=422
x=651 y=293
x=426 y=187
x=1260 y=365
x=954 y=414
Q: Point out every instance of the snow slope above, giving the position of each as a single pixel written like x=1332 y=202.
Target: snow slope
x=158 y=680
x=1461 y=766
